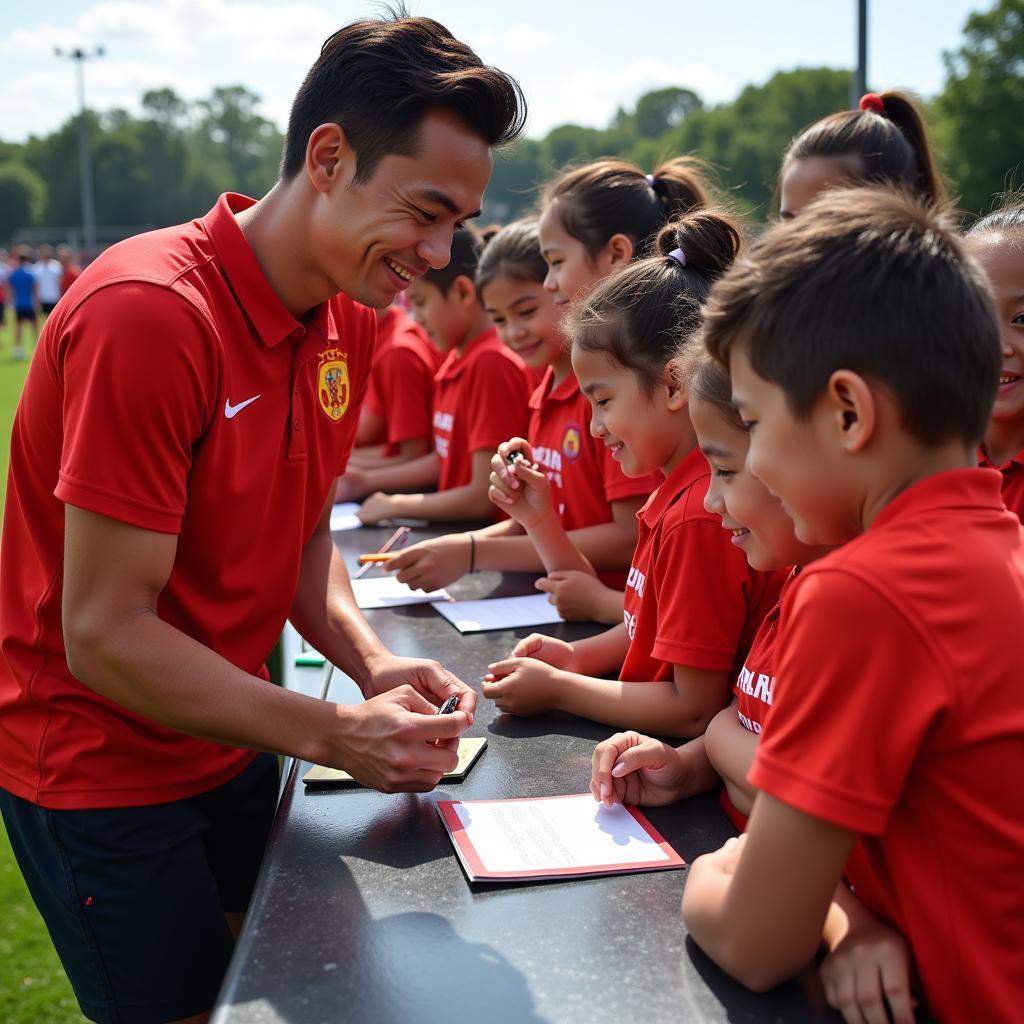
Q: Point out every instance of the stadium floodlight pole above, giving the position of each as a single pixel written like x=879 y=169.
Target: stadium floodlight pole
x=80 y=56
x=859 y=81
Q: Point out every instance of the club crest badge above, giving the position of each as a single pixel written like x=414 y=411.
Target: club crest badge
x=572 y=441
x=332 y=383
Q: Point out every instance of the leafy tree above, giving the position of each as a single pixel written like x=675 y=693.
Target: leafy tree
x=980 y=111
x=22 y=198
x=659 y=111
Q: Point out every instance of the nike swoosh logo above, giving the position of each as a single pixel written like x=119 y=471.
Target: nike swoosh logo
x=231 y=411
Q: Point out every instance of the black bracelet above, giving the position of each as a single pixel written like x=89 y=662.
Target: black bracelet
x=472 y=553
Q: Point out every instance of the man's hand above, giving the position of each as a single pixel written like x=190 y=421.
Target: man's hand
x=629 y=768
x=576 y=595
x=549 y=649
x=522 y=686
x=433 y=564
x=521 y=490
x=429 y=679
x=396 y=742
x=867 y=975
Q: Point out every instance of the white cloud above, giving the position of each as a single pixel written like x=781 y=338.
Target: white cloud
x=589 y=96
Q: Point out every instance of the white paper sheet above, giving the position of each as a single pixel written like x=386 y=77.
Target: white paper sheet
x=560 y=833
x=387 y=592
x=343 y=517
x=500 y=613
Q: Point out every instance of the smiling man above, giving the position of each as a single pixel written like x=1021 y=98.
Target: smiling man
x=172 y=461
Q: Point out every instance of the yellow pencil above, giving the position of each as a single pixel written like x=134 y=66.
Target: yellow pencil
x=379 y=557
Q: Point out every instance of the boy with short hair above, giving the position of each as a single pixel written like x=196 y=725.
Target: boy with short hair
x=864 y=353
x=480 y=398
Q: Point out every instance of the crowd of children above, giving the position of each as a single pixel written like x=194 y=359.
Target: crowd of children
x=761 y=469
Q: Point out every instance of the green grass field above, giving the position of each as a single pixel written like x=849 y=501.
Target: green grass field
x=33 y=987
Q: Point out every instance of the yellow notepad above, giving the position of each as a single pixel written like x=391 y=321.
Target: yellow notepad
x=470 y=748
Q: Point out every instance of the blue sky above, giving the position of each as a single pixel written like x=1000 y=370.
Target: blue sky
x=577 y=61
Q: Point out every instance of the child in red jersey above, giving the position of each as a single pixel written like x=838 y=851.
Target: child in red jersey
x=692 y=603
x=395 y=421
x=479 y=391
x=595 y=502
x=864 y=353
x=884 y=140
x=997 y=242
x=594 y=220
x=630 y=768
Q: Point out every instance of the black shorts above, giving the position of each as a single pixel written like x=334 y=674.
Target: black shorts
x=24 y=314
x=47 y=307
x=134 y=897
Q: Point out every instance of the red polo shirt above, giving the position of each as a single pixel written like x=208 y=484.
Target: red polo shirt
x=585 y=479
x=171 y=390
x=401 y=387
x=755 y=686
x=1013 y=480
x=480 y=400
x=691 y=598
x=900 y=717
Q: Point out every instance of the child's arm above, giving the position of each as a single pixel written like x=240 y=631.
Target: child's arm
x=866 y=974
x=579 y=595
x=594 y=655
x=374 y=458
x=629 y=768
x=731 y=750
x=682 y=706
x=457 y=503
x=523 y=492
x=758 y=905
x=417 y=475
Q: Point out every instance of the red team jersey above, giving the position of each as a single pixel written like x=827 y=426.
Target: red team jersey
x=585 y=479
x=755 y=687
x=1013 y=480
x=901 y=719
x=172 y=391
x=691 y=598
x=401 y=387
x=480 y=400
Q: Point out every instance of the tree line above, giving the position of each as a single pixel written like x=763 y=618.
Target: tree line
x=170 y=162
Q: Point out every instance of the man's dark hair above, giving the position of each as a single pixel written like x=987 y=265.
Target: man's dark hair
x=378 y=78
x=872 y=280
x=466 y=246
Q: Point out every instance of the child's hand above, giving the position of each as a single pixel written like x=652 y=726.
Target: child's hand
x=552 y=651
x=868 y=972
x=377 y=507
x=629 y=768
x=576 y=594
x=433 y=564
x=522 y=490
x=522 y=686
x=353 y=485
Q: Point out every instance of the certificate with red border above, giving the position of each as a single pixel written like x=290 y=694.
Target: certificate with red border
x=552 y=837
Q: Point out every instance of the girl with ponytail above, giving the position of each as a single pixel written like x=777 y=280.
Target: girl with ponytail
x=692 y=602
x=594 y=220
x=884 y=140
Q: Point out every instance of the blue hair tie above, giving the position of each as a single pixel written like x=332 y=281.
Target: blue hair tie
x=677 y=256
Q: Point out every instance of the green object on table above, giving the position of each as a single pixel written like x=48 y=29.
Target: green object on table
x=312 y=658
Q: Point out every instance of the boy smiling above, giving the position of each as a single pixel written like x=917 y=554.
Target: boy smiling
x=864 y=354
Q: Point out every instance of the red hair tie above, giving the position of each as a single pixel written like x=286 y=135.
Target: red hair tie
x=872 y=101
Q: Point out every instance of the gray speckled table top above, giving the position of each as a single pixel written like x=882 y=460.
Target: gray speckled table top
x=362 y=912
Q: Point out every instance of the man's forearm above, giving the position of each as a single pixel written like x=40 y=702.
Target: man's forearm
x=155 y=670
x=325 y=614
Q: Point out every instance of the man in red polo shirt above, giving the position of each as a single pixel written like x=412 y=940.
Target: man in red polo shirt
x=172 y=462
